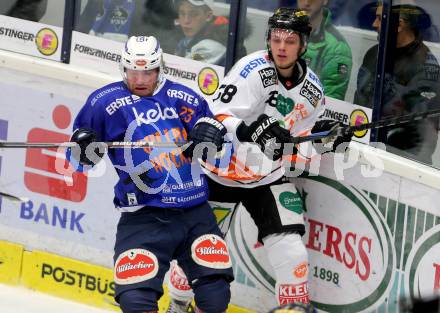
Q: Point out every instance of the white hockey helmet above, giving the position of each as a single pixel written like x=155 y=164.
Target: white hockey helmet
x=141 y=53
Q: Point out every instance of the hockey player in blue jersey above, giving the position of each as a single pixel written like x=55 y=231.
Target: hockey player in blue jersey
x=111 y=19
x=162 y=195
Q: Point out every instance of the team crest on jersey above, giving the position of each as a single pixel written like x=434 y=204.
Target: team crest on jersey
x=268 y=76
x=211 y=251
x=312 y=93
x=285 y=104
x=135 y=265
x=119 y=17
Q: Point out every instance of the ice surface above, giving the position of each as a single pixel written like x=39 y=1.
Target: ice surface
x=22 y=300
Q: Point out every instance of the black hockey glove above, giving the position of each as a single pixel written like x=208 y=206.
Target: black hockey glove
x=267 y=133
x=326 y=125
x=84 y=137
x=206 y=137
x=404 y=138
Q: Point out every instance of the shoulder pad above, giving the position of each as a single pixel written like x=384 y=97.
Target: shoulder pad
x=102 y=93
x=253 y=61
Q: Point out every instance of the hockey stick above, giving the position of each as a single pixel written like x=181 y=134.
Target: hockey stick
x=12 y=197
x=114 y=303
x=339 y=131
x=345 y=130
x=110 y=144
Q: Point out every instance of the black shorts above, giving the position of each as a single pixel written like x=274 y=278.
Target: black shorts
x=261 y=205
x=163 y=234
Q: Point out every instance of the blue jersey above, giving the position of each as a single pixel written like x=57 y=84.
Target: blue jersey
x=116 y=17
x=160 y=176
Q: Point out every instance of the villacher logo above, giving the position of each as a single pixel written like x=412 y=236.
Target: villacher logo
x=211 y=251
x=135 y=265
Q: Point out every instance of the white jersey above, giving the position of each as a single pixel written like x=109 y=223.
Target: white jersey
x=250 y=89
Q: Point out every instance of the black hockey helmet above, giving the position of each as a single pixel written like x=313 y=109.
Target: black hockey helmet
x=294 y=20
x=290 y=19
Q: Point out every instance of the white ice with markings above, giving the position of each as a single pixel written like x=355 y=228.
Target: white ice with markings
x=22 y=300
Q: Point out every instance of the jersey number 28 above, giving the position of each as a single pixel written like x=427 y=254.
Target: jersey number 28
x=225 y=93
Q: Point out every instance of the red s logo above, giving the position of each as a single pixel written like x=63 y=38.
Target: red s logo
x=41 y=175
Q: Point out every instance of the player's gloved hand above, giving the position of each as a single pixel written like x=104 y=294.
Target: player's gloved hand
x=84 y=137
x=326 y=125
x=404 y=138
x=267 y=133
x=206 y=137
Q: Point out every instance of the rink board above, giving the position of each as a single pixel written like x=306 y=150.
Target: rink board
x=371 y=240
x=10 y=262
x=367 y=249
x=68 y=278
x=64 y=277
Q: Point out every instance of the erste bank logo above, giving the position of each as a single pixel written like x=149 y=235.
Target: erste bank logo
x=40 y=174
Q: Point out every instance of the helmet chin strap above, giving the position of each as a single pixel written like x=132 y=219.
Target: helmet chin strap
x=160 y=76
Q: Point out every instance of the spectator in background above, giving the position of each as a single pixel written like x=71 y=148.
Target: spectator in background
x=360 y=14
x=157 y=17
x=110 y=19
x=119 y=19
x=412 y=86
x=31 y=10
x=328 y=53
x=203 y=36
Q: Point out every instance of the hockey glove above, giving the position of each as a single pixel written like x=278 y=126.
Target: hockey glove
x=206 y=137
x=267 y=133
x=404 y=138
x=86 y=156
x=326 y=125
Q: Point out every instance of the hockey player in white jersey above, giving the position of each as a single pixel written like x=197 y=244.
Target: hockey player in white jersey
x=267 y=97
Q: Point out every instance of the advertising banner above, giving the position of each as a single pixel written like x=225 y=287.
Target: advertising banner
x=10 y=261
x=348 y=114
x=68 y=278
x=103 y=55
x=73 y=208
x=30 y=38
x=368 y=247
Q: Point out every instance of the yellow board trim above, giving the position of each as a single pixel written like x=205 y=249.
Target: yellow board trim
x=66 y=278
x=11 y=255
